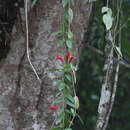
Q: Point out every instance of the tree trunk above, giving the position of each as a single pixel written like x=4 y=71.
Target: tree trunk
x=24 y=101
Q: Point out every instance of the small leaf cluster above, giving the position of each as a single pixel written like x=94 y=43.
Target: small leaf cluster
x=66 y=100
x=65 y=28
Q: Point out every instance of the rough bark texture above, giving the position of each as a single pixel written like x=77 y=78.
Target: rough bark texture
x=107 y=86
x=24 y=102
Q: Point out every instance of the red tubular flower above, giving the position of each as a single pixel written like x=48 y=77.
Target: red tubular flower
x=59 y=58
x=52 y=107
x=67 y=57
x=71 y=59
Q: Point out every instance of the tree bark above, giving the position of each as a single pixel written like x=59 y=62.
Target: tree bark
x=106 y=92
x=24 y=102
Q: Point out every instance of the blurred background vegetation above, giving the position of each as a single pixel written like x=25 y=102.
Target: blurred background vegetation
x=90 y=72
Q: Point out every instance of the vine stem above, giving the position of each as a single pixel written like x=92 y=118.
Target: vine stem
x=27 y=40
x=116 y=73
x=75 y=96
x=107 y=3
x=105 y=106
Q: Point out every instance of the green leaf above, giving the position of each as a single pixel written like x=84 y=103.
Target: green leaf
x=69 y=97
x=61 y=86
x=68 y=111
x=68 y=77
x=59 y=116
x=66 y=92
x=69 y=44
x=108 y=20
x=105 y=9
x=70 y=35
x=67 y=129
x=75 y=68
x=58 y=94
x=62 y=28
x=70 y=12
x=58 y=100
x=107 y=17
x=70 y=104
x=67 y=67
x=65 y=3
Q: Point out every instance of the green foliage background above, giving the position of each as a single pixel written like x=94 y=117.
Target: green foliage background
x=90 y=74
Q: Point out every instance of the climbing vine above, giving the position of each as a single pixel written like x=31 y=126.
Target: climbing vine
x=65 y=28
x=66 y=101
x=108 y=88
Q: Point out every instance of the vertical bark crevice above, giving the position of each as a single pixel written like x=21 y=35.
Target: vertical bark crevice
x=15 y=105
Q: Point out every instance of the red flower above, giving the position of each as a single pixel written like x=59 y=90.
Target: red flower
x=67 y=57
x=52 y=107
x=71 y=59
x=59 y=58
